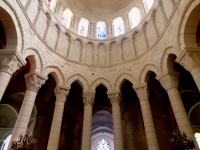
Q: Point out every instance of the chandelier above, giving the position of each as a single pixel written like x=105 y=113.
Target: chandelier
x=23 y=142
x=179 y=141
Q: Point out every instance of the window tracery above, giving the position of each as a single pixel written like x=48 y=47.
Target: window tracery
x=148 y=4
x=103 y=145
x=118 y=26
x=66 y=18
x=83 y=27
x=134 y=17
x=101 y=30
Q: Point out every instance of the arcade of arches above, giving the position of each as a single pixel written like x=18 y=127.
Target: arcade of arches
x=99 y=75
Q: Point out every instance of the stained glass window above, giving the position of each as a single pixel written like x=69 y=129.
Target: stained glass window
x=134 y=17
x=118 y=26
x=66 y=18
x=103 y=145
x=83 y=27
x=101 y=30
x=197 y=136
x=148 y=4
x=51 y=3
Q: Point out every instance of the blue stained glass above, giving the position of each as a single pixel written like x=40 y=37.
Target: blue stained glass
x=103 y=145
x=101 y=30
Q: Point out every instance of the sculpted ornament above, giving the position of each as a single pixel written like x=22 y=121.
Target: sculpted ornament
x=9 y=65
x=169 y=81
x=34 y=83
x=191 y=61
x=115 y=98
x=88 y=100
x=142 y=93
x=61 y=94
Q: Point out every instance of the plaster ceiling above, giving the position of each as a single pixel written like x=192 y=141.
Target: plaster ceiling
x=99 y=7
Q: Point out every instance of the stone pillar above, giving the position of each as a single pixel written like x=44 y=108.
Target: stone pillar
x=190 y=60
x=41 y=120
x=8 y=65
x=145 y=36
x=153 y=20
x=58 y=38
x=133 y=41
x=115 y=99
x=143 y=95
x=169 y=80
x=83 y=54
x=54 y=137
x=48 y=25
x=160 y=3
x=33 y=84
x=130 y=136
x=88 y=101
x=108 y=54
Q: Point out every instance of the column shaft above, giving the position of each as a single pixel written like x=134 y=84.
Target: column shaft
x=87 y=128
x=149 y=125
x=56 y=126
x=117 y=127
x=24 y=115
x=4 y=79
x=179 y=112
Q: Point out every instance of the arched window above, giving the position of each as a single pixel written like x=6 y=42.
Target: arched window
x=6 y=142
x=66 y=18
x=197 y=136
x=148 y=4
x=51 y=3
x=101 y=30
x=118 y=26
x=83 y=27
x=103 y=145
x=134 y=17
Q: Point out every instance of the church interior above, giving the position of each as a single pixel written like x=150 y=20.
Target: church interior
x=100 y=74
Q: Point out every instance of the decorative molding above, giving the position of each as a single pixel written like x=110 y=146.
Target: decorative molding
x=9 y=64
x=189 y=59
x=34 y=83
x=115 y=98
x=142 y=92
x=61 y=93
x=169 y=79
x=88 y=100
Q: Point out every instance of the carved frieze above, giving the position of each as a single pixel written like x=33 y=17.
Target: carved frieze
x=9 y=65
x=34 y=83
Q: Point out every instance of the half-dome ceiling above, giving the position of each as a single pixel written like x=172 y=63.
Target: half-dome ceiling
x=99 y=7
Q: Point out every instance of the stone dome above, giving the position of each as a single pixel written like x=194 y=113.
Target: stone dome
x=99 y=7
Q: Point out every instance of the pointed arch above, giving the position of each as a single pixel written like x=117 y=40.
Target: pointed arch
x=122 y=78
x=80 y=79
x=145 y=73
x=164 y=58
x=101 y=81
x=56 y=73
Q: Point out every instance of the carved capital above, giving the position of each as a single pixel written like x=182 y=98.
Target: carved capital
x=169 y=79
x=115 y=98
x=88 y=100
x=190 y=60
x=61 y=94
x=34 y=83
x=9 y=64
x=142 y=92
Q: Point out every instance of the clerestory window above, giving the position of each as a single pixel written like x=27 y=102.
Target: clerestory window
x=134 y=17
x=103 y=145
x=118 y=26
x=83 y=27
x=67 y=17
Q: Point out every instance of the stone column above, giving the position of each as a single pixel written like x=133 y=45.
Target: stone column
x=41 y=120
x=169 y=80
x=143 y=95
x=115 y=99
x=88 y=101
x=54 y=137
x=190 y=60
x=153 y=20
x=160 y=3
x=48 y=25
x=145 y=36
x=33 y=84
x=59 y=34
x=133 y=41
x=8 y=65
